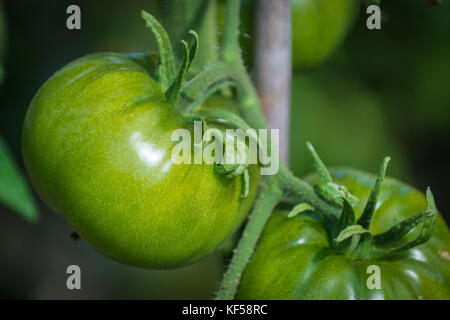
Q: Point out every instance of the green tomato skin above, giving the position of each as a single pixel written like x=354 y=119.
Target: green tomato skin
x=318 y=27
x=97 y=147
x=294 y=260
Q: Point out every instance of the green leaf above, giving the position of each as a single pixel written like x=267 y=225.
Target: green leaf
x=173 y=93
x=427 y=218
x=346 y=219
x=322 y=170
x=394 y=239
x=193 y=48
x=166 y=70
x=14 y=190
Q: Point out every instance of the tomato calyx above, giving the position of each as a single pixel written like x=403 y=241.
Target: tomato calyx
x=240 y=162
x=352 y=237
x=330 y=191
x=170 y=81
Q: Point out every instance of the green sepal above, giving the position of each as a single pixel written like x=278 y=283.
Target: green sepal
x=225 y=117
x=166 y=72
x=212 y=78
x=193 y=48
x=302 y=207
x=193 y=105
x=396 y=233
x=324 y=174
x=232 y=170
x=370 y=207
x=346 y=219
x=335 y=193
x=173 y=93
x=326 y=188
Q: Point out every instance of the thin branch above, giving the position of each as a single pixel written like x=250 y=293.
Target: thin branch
x=273 y=66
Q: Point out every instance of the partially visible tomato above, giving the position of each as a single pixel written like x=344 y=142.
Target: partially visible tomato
x=318 y=27
x=97 y=147
x=294 y=258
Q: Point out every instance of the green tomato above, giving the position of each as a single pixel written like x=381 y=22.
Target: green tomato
x=318 y=27
x=294 y=259
x=97 y=147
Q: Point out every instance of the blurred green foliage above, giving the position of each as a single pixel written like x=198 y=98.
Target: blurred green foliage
x=14 y=189
x=345 y=123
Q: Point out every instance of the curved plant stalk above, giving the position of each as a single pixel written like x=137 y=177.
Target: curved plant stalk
x=270 y=195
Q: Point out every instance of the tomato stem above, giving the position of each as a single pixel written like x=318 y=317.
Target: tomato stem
x=230 y=51
x=180 y=16
x=270 y=195
x=274 y=188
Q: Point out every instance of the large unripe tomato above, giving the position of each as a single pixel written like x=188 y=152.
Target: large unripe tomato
x=294 y=258
x=318 y=27
x=97 y=147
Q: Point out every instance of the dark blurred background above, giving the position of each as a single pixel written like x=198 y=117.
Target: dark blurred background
x=384 y=92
